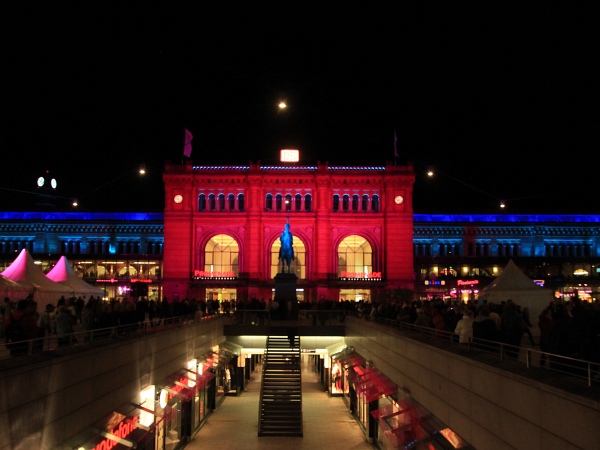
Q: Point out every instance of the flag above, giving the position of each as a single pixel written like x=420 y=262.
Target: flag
x=395 y=148
x=187 y=147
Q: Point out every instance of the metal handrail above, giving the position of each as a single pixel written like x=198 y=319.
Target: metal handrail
x=527 y=358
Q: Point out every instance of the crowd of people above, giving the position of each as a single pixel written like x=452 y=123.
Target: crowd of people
x=565 y=328
x=73 y=318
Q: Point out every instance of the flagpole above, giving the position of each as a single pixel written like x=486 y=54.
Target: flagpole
x=395 y=148
x=184 y=142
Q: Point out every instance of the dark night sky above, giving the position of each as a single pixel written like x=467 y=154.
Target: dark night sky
x=502 y=98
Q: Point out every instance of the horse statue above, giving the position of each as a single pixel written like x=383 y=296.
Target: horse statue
x=286 y=252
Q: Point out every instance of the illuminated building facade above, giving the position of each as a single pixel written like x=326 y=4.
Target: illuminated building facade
x=352 y=229
x=354 y=238
x=118 y=252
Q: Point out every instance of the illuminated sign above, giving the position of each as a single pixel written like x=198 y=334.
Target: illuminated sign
x=124 y=429
x=434 y=282
x=361 y=275
x=139 y=280
x=289 y=155
x=205 y=274
x=467 y=282
x=168 y=394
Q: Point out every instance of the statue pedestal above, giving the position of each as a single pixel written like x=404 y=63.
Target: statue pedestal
x=285 y=294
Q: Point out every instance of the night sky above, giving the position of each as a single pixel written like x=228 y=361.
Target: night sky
x=501 y=99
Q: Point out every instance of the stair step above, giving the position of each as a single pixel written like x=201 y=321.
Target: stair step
x=281 y=406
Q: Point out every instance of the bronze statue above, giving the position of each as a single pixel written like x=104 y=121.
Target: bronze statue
x=286 y=252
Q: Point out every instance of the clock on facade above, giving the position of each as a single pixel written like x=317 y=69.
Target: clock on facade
x=178 y=198
x=398 y=199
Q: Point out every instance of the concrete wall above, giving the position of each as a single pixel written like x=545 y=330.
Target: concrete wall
x=46 y=402
x=489 y=407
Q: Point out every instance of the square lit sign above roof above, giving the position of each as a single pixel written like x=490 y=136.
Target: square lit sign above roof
x=289 y=155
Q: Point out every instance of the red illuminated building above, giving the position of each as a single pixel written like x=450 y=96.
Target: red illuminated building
x=352 y=227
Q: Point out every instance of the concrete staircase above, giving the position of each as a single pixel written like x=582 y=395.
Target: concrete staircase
x=281 y=389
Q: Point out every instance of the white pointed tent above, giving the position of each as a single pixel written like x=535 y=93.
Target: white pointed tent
x=13 y=290
x=64 y=274
x=513 y=284
x=24 y=271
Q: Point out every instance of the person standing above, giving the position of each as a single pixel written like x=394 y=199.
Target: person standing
x=21 y=327
x=545 y=324
x=527 y=324
x=65 y=322
x=46 y=325
x=88 y=320
x=227 y=379
x=464 y=327
x=485 y=331
x=512 y=327
x=422 y=320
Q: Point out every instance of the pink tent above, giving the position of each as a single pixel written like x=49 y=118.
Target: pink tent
x=24 y=271
x=64 y=274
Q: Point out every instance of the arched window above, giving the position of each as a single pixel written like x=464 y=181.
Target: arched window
x=355 y=256
x=202 y=202
x=288 y=202
x=346 y=202
x=221 y=202
x=231 y=202
x=298 y=202
x=241 y=205
x=221 y=255
x=375 y=203
x=308 y=203
x=269 y=202
x=365 y=203
x=355 y=203
x=278 y=202
x=211 y=202
x=298 y=265
x=336 y=203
